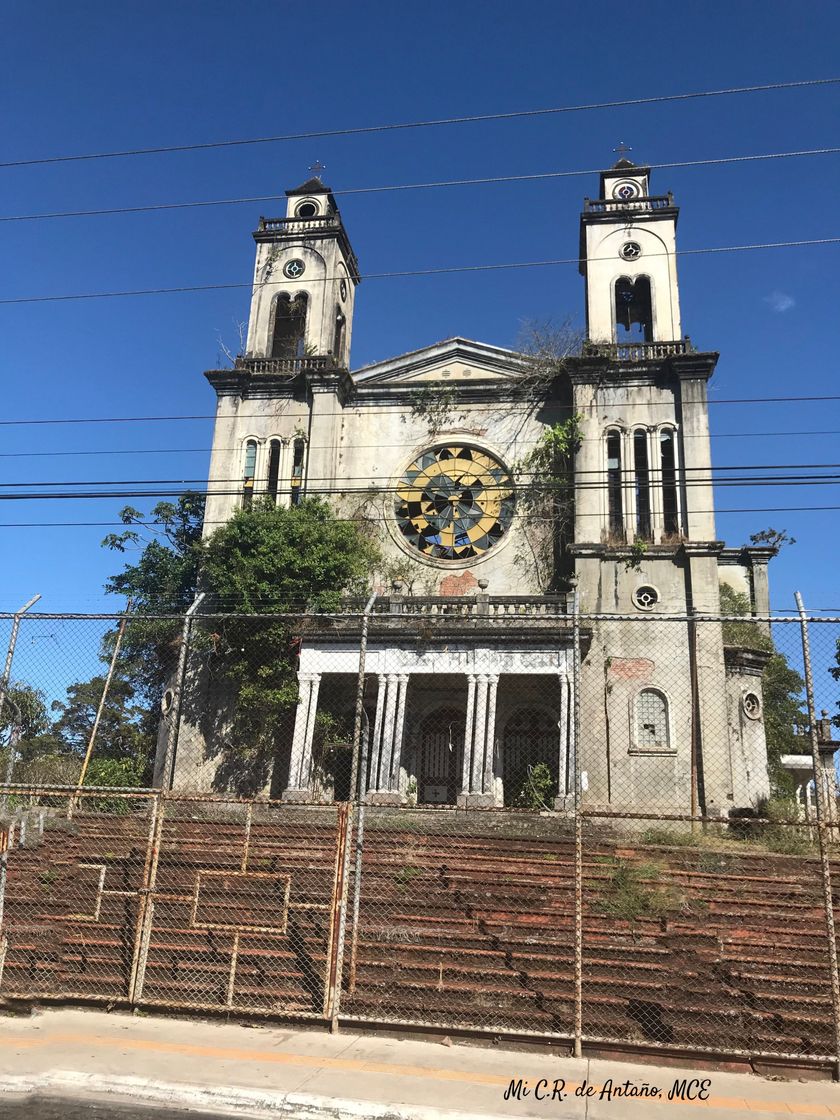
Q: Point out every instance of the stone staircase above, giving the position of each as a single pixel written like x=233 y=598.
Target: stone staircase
x=684 y=947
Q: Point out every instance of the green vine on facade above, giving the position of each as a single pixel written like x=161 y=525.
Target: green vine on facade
x=545 y=481
x=435 y=406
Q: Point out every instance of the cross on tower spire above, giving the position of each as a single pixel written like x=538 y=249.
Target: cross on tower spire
x=622 y=149
x=317 y=167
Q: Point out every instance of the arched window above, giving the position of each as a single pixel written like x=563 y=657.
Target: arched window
x=634 y=309
x=299 y=453
x=642 y=468
x=274 y=450
x=338 y=343
x=652 y=730
x=616 y=508
x=288 y=338
x=668 y=459
x=249 y=473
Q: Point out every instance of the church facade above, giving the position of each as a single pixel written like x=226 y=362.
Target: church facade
x=436 y=450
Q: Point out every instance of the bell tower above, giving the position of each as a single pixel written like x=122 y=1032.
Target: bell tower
x=628 y=259
x=305 y=279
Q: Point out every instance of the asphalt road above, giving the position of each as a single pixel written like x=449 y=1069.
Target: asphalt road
x=56 y=1108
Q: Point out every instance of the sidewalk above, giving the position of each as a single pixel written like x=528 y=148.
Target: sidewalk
x=310 y=1075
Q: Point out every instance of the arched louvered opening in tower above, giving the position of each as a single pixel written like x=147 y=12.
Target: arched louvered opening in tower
x=288 y=336
x=633 y=310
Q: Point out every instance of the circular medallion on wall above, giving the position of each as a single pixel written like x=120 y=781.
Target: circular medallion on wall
x=751 y=704
x=630 y=251
x=342 y=288
x=625 y=189
x=294 y=268
x=454 y=502
x=646 y=597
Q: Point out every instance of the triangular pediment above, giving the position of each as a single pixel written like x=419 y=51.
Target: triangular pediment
x=454 y=360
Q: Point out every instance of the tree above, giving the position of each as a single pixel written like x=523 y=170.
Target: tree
x=835 y=672
x=274 y=561
x=163 y=581
x=782 y=688
x=119 y=736
x=24 y=712
x=776 y=538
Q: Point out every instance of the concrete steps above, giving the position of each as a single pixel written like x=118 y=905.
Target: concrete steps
x=469 y=930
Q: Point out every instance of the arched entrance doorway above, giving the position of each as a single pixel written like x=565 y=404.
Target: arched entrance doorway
x=530 y=752
x=439 y=755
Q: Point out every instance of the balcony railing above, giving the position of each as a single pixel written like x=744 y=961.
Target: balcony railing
x=301 y=225
x=289 y=367
x=637 y=351
x=616 y=205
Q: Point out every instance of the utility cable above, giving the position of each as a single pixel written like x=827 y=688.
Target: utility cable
x=405 y=273
x=238 y=479
x=367 y=130
x=206 y=450
x=156 y=207
x=367 y=520
x=384 y=412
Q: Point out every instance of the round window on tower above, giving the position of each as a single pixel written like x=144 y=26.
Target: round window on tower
x=630 y=251
x=626 y=189
x=645 y=597
x=751 y=703
x=307 y=209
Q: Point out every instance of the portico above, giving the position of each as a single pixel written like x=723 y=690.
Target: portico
x=436 y=719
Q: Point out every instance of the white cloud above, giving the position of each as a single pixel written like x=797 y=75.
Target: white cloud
x=780 y=301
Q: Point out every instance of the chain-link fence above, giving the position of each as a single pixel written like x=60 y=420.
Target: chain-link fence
x=499 y=818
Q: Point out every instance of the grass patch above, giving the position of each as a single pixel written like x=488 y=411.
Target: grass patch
x=633 y=891
x=669 y=838
x=405 y=874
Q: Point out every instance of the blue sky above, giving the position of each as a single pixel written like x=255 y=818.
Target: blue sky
x=97 y=76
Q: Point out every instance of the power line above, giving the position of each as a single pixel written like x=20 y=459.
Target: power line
x=357 y=446
x=365 y=520
x=234 y=488
x=488 y=180
x=434 y=123
x=385 y=412
x=238 y=479
x=406 y=273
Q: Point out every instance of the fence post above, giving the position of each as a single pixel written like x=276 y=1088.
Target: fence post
x=823 y=818
x=578 y=950
x=356 y=782
x=103 y=698
x=168 y=767
x=146 y=908
x=7 y=676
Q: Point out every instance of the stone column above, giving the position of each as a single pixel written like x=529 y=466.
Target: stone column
x=483 y=720
x=387 y=705
x=466 y=762
x=479 y=733
x=399 y=730
x=490 y=738
x=628 y=485
x=388 y=722
x=565 y=790
x=300 y=763
x=657 y=517
x=372 y=777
